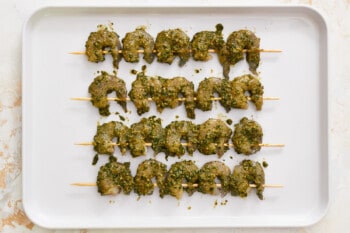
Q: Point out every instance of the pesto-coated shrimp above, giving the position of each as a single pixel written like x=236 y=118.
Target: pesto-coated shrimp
x=170 y=92
x=171 y=43
x=114 y=178
x=146 y=171
x=247 y=137
x=208 y=174
x=135 y=40
x=232 y=52
x=204 y=40
x=244 y=174
x=213 y=137
x=100 y=40
x=148 y=130
x=103 y=85
x=103 y=139
x=140 y=92
x=178 y=172
x=247 y=83
x=177 y=131
x=208 y=87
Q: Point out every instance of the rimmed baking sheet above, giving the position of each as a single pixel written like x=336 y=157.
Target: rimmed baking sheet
x=52 y=123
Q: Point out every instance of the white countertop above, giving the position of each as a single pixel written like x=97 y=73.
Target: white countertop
x=13 y=15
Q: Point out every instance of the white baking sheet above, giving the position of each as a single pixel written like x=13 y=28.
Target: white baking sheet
x=52 y=123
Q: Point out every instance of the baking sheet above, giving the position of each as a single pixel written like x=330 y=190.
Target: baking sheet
x=52 y=123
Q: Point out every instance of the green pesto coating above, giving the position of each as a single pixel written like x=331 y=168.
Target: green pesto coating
x=114 y=178
x=247 y=137
x=171 y=43
x=232 y=52
x=135 y=40
x=140 y=92
x=206 y=90
x=213 y=134
x=247 y=172
x=175 y=133
x=103 y=85
x=208 y=174
x=247 y=83
x=146 y=171
x=147 y=130
x=99 y=41
x=166 y=93
x=205 y=40
x=178 y=172
x=105 y=134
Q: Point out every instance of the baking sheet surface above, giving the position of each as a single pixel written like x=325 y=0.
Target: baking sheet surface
x=52 y=123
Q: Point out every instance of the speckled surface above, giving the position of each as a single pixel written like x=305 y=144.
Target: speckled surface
x=13 y=15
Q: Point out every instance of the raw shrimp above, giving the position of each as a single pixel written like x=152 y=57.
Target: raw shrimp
x=103 y=85
x=135 y=40
x=171 y=43
x=100 y=40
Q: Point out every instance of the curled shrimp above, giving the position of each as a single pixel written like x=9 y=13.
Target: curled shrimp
x=247 y=172
x=178 y=172
x=205 y=40
x=100 y=40
x=148 y=130
x=247 y=137
x=103 y=139
x=232 y=52
x=177 y=131
x=135 y=40
x=206 y=90
x=103 y=85
x=169 y=91
x=171 y=43
x=213 y=137
x=146 y=171
x=140 y=92
x=252 y=85
x=114 y=178
x=208 y=174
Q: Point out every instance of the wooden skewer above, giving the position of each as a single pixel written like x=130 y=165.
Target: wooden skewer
x=186 y=185
x=184 y=144
x=209 y=50
x=150 y=99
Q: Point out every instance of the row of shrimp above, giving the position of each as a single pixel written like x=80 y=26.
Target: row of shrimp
x=211 y=137
x=114 y=178
x=170 y=93
x=175 y=42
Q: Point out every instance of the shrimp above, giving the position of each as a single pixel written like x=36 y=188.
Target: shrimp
x=175 y=132
x=170 y=43
x=179 y=171
x=135 y=40
x=213 y=137
x=232 y=52
x=208 y=87
x=170 y=92
x=247 y=172
x=140 y=92
x=97 y=43
x=114 y=178
x=252 y=85
x=148 y=130
x=204 y=40
x=146 y=171
x=103 y=85
x=208 y=174
x=106 y=132
x=247 y=137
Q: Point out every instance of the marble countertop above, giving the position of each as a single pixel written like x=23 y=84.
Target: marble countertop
x=12 y=17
